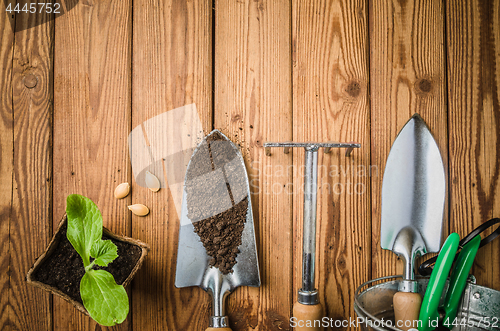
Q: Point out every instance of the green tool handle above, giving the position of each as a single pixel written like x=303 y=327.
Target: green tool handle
x=459 y=277
x=430 y=303
x=458 y=281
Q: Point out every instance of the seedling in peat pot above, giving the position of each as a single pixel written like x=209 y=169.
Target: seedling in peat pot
x=105 y=301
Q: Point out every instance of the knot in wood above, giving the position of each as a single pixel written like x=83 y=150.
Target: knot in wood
x=353 y=89
x=424 y=85
x=30 y=81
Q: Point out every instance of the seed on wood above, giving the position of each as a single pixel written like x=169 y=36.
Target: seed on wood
x=152 y=182
x=139 y=209
x=122 y=190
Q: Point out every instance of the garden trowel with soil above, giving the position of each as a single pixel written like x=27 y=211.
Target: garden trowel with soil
x=413 y=197
x=216 y=237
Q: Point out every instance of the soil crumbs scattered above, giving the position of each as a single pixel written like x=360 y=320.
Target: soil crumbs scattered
x=63 y=269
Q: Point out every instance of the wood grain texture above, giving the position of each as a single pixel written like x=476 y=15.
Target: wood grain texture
x=6 y=163
x=253 y=105
x=330 y=103
x=172 y=67
x=92 y=120
x=28 y=163
x=473 y=43
x=322 y=70
x=407 y=76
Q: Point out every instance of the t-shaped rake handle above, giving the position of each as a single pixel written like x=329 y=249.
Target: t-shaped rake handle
x=308 y=307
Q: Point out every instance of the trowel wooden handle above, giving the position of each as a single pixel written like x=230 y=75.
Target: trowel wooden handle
x=406 y=309
x=306 y=315
x=218 y=329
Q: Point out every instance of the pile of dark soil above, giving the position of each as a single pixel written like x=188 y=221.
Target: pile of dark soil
x=63 y=269
x=218 y=220
x=221 y=236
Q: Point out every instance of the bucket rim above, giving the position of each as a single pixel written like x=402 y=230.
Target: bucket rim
x=357 y=304
x=472 y=288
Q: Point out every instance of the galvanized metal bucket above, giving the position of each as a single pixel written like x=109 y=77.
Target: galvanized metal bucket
x=478 y=310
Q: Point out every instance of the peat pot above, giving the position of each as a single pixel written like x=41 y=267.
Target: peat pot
x=59 y=269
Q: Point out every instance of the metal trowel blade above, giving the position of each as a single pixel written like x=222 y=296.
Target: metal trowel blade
x=413 y=192
x=217 y=177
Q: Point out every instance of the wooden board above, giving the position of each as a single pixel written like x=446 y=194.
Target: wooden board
x=474 y=108
x=404 y=80
x=330 y=103
x=26 y=167
x=253 y=105
x=92 y=77
x=6 y=162
x=343 y=70
x=172 y=67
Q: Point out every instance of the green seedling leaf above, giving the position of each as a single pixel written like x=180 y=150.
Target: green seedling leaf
x=84 y=225
x=104 y=252
x=105 y=301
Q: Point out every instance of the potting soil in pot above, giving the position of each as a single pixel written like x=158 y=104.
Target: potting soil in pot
x=220 y=233
x=63 y=269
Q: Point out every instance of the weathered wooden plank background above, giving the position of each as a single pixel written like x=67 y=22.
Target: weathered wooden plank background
x=72 y=89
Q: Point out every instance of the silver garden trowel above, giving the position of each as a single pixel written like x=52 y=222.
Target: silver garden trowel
x=216 y=237
x=308 y=311
x=413 y=197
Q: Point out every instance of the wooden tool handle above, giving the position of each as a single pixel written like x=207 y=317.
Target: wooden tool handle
x=218 y=329
x=308 y=317
x=406 y=309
